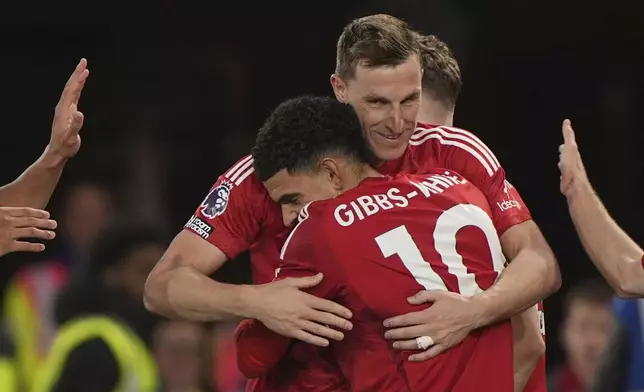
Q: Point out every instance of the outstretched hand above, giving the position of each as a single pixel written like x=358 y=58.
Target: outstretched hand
x=65 y=140
x=570 y=163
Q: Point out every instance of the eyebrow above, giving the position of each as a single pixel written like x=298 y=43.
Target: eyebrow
x=375 y=97
x=288 y=198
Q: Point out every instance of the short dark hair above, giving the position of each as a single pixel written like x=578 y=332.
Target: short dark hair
x=595 y=291
x=302 y=131
x=441 y=73
x=374 y=41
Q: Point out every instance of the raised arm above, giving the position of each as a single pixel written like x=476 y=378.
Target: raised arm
x=34 y=187
x=615 y=254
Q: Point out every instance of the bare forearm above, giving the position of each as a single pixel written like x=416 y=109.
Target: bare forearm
x=531 y=276
x=614 y=253
x=185 y=293
x=35 y=185
x=529 y=346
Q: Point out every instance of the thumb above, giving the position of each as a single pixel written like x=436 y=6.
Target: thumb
x=425 y=296
x=568 y=132
x=77 y=122
x=306 y=282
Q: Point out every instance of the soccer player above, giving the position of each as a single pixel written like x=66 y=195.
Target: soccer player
x=21 y=201
x=619 y=259
x=442 y=84
x=377 y=239
x=378 y=72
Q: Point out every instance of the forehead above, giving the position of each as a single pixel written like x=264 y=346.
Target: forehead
x=402 y=79
x=284 y=182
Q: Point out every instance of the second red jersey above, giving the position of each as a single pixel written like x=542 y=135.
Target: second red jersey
x=381 y=243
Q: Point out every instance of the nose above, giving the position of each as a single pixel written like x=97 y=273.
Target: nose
x=395 y=120
x=289 y=215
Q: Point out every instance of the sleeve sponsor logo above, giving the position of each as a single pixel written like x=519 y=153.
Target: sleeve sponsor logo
x=217 y=200
x=505 y=205
x=200 y=227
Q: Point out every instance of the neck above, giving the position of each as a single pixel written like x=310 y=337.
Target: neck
x=358 y=174
x=435 y=112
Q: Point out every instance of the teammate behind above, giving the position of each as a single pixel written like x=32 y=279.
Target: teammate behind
x=442 y=85
x=377 y=240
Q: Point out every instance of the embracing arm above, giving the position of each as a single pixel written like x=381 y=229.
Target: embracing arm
x=179 y=285
x=531 y=275
x=529 y=345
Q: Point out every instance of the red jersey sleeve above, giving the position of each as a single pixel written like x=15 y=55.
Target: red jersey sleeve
x=232 y=214
x=463 y=152
x=258 y=348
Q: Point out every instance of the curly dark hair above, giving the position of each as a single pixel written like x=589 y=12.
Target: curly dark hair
x=302 y=131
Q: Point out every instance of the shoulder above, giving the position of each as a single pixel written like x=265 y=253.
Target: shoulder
x=310 y=229
x=240 y=178
x=237 y=185
x=451 y=142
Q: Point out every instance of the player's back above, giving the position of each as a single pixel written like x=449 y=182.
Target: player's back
x=390 y=238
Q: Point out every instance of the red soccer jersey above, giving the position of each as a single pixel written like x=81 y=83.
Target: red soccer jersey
x=237 y=214
x=381 y=243
x=459 y=150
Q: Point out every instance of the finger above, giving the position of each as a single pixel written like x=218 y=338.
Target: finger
x=78 y=88
x=328 y=306
x=406 y=345
x=567 y=131
x=74 y=85
x=34 y=222
x=311 y=339
x=25 y=211
x=320 y=330
x=330 y=320
x=24 y=246
x=32 y=232
x=304 y=282
x=405 y=320
x=425 y=296
x=428 y=354
x=407 y=332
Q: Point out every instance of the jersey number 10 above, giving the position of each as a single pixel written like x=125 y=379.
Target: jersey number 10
x=399 y=242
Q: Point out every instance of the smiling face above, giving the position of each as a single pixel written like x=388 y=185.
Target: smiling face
x=386 y=99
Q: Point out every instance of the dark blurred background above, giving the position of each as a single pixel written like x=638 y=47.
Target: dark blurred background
x=178 y=89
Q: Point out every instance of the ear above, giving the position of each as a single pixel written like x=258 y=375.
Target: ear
x=339 y=88
x=332 y=173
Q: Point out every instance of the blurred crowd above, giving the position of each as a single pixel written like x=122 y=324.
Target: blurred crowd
x=98 y=267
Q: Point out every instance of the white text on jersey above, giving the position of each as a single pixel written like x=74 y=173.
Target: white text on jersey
x=200 y=227
x=368 y=205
